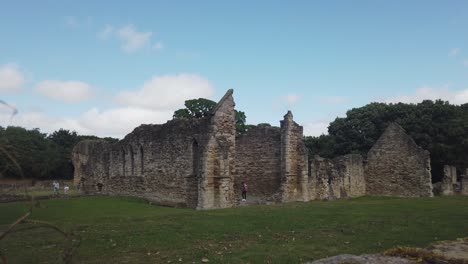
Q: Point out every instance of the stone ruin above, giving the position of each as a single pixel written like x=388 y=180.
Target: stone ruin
x=200 y=163
x=451 y=183
x=396 y=166
x=183 y=162
x=341 y=177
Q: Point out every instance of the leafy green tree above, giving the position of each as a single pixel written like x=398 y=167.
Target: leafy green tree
x=30 y=149
x=201 y=107
x=32 y=154
x=195 y=108
x=437 y=126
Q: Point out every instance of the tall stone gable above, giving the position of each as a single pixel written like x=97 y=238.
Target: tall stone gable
x=396 y=166
x=216 y=185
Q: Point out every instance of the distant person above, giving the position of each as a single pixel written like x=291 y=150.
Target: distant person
x=65 y=189
x=56 y=187
x=244 y=191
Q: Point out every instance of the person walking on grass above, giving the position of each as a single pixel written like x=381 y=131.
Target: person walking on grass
x=56 y=187
x=244 y=191
x=65 y=190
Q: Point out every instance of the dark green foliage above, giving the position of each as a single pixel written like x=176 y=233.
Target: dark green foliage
x=322 y=145
x=39 y=156
x=201 y=107
x=195 y=108
x=264 y=125
x=240 y=122
x=439 y=127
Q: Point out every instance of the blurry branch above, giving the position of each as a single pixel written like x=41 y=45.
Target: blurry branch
x=72 y=241
x=14 y=110
x=17 y=222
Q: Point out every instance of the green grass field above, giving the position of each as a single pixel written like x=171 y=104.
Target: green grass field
x=127 y=230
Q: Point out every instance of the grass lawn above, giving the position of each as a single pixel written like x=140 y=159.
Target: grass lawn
x=127 y=230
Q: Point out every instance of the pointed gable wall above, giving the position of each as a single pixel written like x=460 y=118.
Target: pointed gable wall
x=396 y=166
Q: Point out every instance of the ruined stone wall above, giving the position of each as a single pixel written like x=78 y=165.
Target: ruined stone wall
x=258 y=161
x=294 y=161
x=341 y=177
x=154 y=161
x=449 y=180
x=396 y=166
x=182 y=162
x=91 y=162
x=157 y=161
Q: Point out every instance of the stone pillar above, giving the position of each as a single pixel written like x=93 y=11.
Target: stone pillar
x=294 y=178
x=449 y=179
x=464 y=184
x=216 y=185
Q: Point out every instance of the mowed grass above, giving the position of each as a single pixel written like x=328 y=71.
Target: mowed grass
x=128 y=230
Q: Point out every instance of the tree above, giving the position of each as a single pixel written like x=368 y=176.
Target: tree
x=437 y=126
x=195 y=108
x=201 y=107
x=32 y=154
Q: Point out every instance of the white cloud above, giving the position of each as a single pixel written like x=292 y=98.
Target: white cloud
x=454 y=52
x=11 y=79
x=167 y=91
x=429 y=93
x=115 y=122
x=154 y=103
x=158 y=46
x=106 y=32
x=132 y=40
x=316 y=128
x=66 y=91
x=118 y=122
x=42 y=121
x=291 y=99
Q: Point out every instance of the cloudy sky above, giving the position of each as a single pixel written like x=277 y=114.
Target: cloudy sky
x=103 y=68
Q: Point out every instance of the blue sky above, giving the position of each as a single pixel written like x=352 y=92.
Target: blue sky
x=103 y=68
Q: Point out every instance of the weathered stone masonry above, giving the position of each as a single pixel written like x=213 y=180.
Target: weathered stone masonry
x=182 y=162
x=201 y=163
x=396 y=166
x=258 y=162
x=341 y=177
x=293 y=161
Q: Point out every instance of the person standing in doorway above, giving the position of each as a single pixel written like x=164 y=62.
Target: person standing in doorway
x=244 y=191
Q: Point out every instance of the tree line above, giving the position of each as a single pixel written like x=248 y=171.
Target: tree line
x=28 y=153
x=437 y=126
